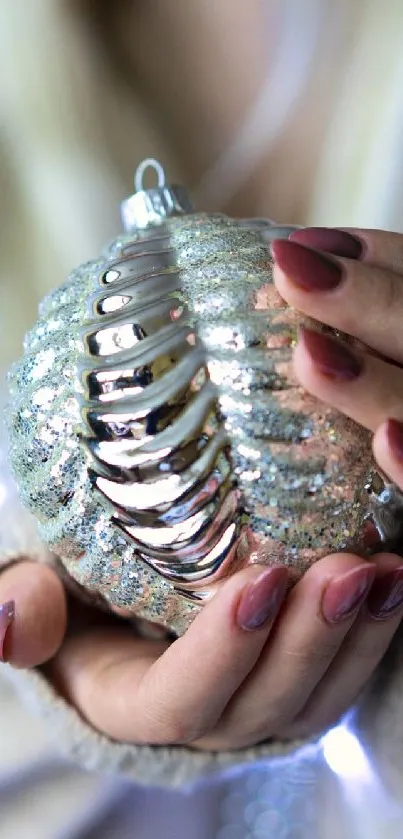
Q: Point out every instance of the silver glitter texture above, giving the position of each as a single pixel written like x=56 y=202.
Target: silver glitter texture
x=160 y=437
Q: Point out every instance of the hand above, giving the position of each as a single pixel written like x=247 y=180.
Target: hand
x=253 y=665
x=359 y=291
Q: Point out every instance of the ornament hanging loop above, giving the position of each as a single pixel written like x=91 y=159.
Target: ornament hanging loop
x=155 y=165
x=152 y=206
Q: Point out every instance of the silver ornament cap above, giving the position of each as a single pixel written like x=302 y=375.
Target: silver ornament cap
x=150 y=207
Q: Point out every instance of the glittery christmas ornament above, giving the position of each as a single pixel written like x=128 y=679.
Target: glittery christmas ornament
x=157 y=429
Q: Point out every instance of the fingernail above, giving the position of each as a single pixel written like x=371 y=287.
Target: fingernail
x=7 y=611
x=334 y=241
x=345 y=594
x=386 y=595
x=394 y=433
x=262 y=599
x=332 y=358
x=307 y=269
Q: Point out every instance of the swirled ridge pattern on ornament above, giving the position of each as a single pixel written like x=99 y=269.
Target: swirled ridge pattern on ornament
x=158 y=447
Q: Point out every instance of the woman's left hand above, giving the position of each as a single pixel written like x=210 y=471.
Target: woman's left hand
x=352 y=281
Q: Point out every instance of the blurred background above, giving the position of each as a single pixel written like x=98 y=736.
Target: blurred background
x=270 y=107
x=267 y=107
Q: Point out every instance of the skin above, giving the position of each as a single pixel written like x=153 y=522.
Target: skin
x=297 y=673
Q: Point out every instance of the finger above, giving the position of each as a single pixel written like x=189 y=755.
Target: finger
x=359 y=299
x=363 y=387
x=388 y=450
x=361 y=652
x=312 y=626
x=148 y=692
x=375 y=247
x=35 y=601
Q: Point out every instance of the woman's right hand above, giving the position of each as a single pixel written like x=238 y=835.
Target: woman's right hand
x=255 y=664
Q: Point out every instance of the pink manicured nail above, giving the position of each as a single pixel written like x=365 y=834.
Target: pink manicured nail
x=307 y=269
x=261 y=600
x=7 y=611
x=386 y=595
x=331 y=240
x=345 y=594
x=333 y=359
x=394 y=433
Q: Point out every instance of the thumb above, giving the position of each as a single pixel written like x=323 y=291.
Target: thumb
x=33 y=614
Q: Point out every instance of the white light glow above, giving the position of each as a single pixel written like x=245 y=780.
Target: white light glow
x=345 y=755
